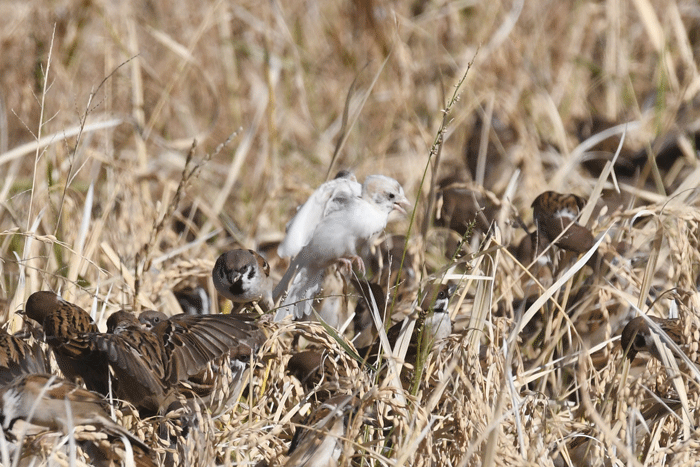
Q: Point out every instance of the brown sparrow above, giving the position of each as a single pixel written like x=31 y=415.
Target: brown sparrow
x=637 y=336
x=192 y=341
x=243 y=276
x=437 y=324
x=18 y=358
x=59 y=405
x=363 y=324
x=347 y=223
x=138 y=360
x=319 y=441
x=553 y=213
x=64 y=325
x=148 y=364
x=459 y=207
x=194 y=300
x=308 y=367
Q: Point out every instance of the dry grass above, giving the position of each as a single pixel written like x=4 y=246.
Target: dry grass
x=92 y=167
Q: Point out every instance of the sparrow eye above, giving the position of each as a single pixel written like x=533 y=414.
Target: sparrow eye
x=392 y=196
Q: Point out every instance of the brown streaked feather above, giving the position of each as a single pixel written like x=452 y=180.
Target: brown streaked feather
x=137 y=359
x=191 y=341
x=65 y=326
x=18 y=357
x=84 y=408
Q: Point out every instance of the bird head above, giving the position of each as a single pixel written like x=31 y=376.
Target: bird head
x=386 y=193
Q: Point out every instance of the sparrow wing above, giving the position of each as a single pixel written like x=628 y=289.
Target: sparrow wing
x=577 y=238
x=138 y=361
x=18 y=357
x=327 y=198
x=192 y=341
x=75 y=354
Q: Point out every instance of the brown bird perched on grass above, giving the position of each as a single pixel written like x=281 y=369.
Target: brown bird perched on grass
x=138 y=360
x=193 y=343
x=437 y=325
x=637 y=335
x=243 y=276
x=555 y=212
x=60 y=405
x=363 y=323
x=152 y=355
x=64 y=325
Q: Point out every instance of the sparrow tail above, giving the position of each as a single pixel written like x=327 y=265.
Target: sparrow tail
x=304 y=286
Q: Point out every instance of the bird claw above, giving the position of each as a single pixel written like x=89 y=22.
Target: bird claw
x=360 y=264
x=347 y=262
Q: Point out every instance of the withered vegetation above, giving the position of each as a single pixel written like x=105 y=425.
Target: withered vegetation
x=106 y=197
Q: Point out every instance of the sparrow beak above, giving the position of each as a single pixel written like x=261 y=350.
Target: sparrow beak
x=400 y=203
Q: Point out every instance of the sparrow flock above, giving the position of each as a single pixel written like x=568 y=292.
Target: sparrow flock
x=156 y=362
x=150 y=361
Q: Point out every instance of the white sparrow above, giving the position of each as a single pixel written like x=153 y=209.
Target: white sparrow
x=343 y=229
x=57 y=404
x=301 y=228
x=243 y=276
x=65 y=325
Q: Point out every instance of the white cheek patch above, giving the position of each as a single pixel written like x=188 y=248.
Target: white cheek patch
x=440 y=304
x=565 y=214
x=649 y=342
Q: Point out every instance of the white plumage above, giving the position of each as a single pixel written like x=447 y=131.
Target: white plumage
x=333 y=225
x=321 y=202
